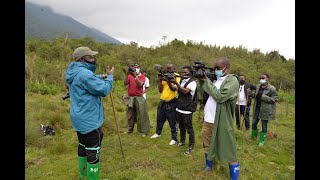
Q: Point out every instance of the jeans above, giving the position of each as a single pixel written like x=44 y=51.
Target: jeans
x=246 y=118
x=167 y=110
x=185 y=125
x=256 y=119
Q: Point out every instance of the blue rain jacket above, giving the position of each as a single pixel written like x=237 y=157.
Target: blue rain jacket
x=86 y=91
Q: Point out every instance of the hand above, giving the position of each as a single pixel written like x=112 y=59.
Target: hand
x=162 y=78
x=134 y=74
x=110 y=71
x=204 y=78
x=173 y=81
x=248 y=90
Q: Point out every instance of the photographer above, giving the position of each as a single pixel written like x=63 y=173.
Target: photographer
x=186 y=105
x=217 y=132
x=136 y=104
x=167 y=105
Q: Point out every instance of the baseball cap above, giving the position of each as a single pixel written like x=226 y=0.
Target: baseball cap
x=83 y=51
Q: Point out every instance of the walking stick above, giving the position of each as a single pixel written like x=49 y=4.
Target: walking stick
x=115 y=118
x=239 y=109
x=245 y=110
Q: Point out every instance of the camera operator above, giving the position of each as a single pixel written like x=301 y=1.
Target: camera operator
x=186 y=105
x=217 y=131
x=167 y=105
x=136 y=104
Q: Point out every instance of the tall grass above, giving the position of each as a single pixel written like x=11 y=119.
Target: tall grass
x=55 y=157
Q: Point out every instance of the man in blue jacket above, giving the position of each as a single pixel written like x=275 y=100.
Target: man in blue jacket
x=86 y=108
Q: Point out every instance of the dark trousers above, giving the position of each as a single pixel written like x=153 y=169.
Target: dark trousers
x=256 y=119
x=89 y=145
x=185 y=124
x=167 y=110
x=246 y=117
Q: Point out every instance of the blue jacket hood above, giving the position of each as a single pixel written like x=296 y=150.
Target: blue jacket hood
x=75 y=67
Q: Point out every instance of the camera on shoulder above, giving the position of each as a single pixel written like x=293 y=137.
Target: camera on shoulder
x=200 y=71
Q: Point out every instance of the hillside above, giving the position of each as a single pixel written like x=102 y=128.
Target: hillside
x=43 y=22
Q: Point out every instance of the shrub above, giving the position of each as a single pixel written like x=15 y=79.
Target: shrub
x=42 y=88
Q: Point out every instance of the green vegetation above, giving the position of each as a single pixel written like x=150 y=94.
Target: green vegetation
x=55 y=157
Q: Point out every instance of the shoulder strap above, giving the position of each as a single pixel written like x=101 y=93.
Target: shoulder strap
x=186 y=84
x=195 y=96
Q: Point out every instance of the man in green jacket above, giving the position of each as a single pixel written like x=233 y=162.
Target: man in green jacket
x=217 y=132
x=264 y=107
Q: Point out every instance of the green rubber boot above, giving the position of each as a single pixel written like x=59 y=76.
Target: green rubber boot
x=82 y=164
x=262 y=137
x=93 y=171
x=254 y=133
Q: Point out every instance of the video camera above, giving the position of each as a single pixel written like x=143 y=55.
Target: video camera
x=131 y=69
x=200 y=70
x=162 y=73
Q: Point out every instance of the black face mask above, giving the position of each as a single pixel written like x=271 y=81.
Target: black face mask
x=242 y=81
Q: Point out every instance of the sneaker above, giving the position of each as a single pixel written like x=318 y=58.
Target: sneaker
x=181 y=144
x=143 y=135
x=155 y=135
x=188 y=151
x=128 y=132
x=172 y=142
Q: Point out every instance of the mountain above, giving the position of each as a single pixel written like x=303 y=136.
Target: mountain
x=43 y=22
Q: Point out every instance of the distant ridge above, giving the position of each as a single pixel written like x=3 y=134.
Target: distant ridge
x=42 y=22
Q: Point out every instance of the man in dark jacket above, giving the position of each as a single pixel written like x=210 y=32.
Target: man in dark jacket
x=244 y=101
x=264 y=107
x=86 y=108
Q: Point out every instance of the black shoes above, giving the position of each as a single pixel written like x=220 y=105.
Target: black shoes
x=189 y=150
x=181 y=143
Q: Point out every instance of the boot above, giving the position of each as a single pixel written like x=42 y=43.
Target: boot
x=262 y=137
x=93 y=171
x=82 y=165
x=254 y=133
x=234 y=170
x=208 y=164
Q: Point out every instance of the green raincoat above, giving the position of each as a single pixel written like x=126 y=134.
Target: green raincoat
x=268 y=102
x=223 y=142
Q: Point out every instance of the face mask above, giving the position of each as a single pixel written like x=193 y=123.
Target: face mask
x=219 y=73
x=242 y=81
x=262 y=81
x=137 y=70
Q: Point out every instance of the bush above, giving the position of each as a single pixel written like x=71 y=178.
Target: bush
x=41 y=88
x=287 y=96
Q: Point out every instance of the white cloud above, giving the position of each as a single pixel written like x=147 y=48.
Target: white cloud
x=254 y=24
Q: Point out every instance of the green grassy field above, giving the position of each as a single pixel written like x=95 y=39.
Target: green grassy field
x=55 y=157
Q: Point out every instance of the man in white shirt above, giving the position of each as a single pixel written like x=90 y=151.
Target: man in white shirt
x=145 y=85
x=217 y=131
x=244 y=102
x=185 y=106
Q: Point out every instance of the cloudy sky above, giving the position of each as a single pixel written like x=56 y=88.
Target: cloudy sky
x=254 y=24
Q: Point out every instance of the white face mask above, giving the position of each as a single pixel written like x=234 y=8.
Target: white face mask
x=262 y=81
x=137 y=70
